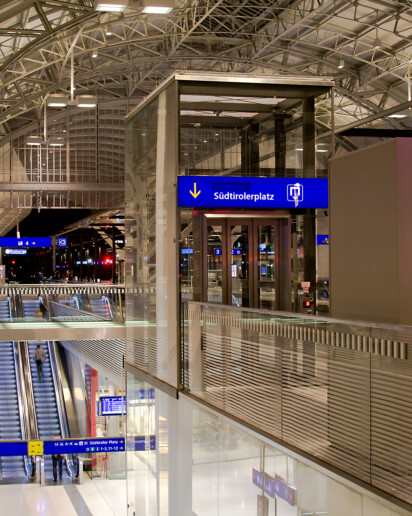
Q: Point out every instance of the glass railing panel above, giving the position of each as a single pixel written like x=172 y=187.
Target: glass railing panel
x=62 y=302
x=338 y=390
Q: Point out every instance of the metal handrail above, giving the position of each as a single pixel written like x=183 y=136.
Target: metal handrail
x=22 y=398
x=61 y=407
x=26 y=376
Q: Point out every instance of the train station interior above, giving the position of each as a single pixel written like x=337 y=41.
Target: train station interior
x=205 y=248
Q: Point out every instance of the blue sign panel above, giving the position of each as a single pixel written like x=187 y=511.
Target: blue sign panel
x=251 y=192
x=62 y=242
x=236 y=252
x=84 y=446
x=14 y=448
x=322 y=239
x=218 y=251
x=15 y=251
x=25 y=242
x=142 y=443
x=274 y=486
x=112 y=405
x=145 y=394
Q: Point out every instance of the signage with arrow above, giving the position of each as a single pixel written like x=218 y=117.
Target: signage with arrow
x=25 y=242
x=196 y=193
x=251 y=192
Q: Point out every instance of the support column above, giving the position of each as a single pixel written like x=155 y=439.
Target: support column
x=113 y=256
x=309 y=170
x=280 y=148
x=81 y=258
x=250 y=150
x=54 y=254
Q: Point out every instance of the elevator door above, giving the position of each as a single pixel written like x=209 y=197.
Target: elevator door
x=247 y=262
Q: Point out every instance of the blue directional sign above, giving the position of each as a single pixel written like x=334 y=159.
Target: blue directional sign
x=14 y=448
x=141 y=443
x=62 y=242
x=251 y=192
x=15 y=251
x=112 y=405
x=274 y=486
x=92 y=445
x=25 y=242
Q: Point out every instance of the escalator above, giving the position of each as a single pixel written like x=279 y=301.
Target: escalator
x=5 y=313
x=29 y=307
x=44 y=396
x=10 y=423
x=101 y=307
x=50 y=412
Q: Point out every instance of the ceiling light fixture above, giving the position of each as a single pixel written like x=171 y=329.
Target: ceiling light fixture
x=57 y=101
x=56 y=142
x=377 y=43
x=95 y=53
x=114 y=6
x=158 y=6
x=109 y=31
x=86 y=101
x=341 y=63
x=34 y=140
x=397 y=115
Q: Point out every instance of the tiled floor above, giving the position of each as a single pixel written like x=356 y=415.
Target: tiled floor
x=94 y=497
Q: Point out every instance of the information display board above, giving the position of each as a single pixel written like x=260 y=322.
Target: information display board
x=93 y=445
x=112 y=405
x=251 y=192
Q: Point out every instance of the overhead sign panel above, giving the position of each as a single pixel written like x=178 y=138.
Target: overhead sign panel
x=13 y=448
x=251 y=192
x=84 y=446
x=25 y=242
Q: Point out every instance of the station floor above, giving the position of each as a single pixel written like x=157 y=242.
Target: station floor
x=94 y=497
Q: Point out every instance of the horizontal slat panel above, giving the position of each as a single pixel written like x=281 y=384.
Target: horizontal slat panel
x=341 y=392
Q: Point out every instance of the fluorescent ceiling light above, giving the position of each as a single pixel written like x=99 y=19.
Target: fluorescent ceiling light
x=34 y=140
x=341 y=63
x=57 y=100
x=56 y=142
x=397 y=115
x=95 y=53
x=115 y=6
x=86 y=101
x=157 y=10
x=158 y=6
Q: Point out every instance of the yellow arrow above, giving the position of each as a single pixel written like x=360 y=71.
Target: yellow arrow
x=195 y=193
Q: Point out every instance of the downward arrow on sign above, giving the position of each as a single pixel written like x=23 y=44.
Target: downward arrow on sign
x=195 y=193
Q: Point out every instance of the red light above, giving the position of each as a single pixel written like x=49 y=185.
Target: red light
x=13 y=262
x=307 y=303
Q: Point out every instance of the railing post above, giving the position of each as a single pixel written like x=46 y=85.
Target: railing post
x=42 y=474
x=195 y=339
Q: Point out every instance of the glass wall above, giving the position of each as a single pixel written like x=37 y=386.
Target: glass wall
x=204 y=465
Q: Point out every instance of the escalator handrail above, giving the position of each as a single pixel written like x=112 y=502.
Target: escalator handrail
x=108 y=305
x=61 y=408
x=27 y=385
x=25 y=400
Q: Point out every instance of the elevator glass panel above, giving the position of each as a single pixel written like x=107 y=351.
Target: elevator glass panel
x=214 y=263
x=266 y=266
x=239 y=265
